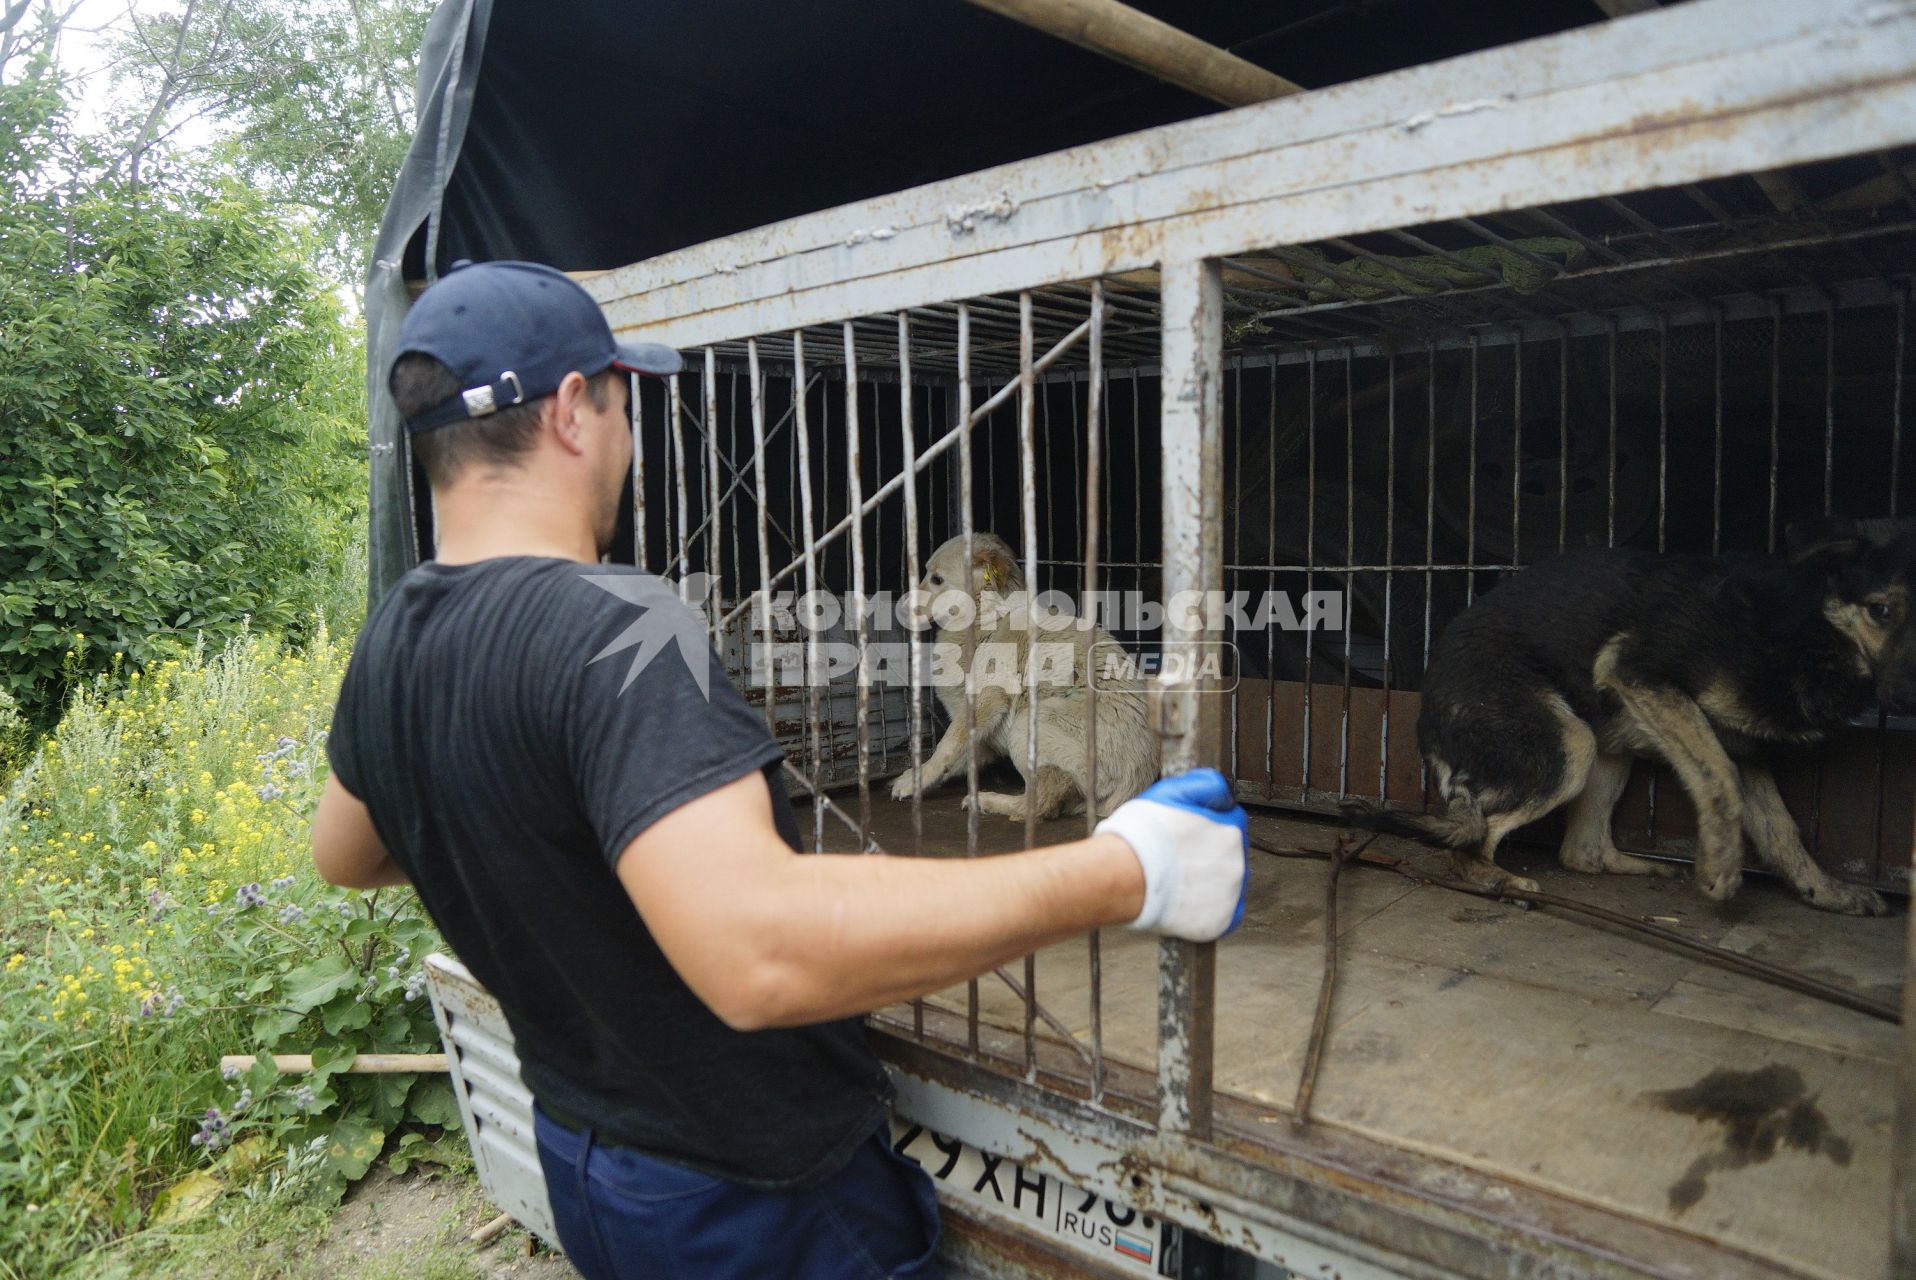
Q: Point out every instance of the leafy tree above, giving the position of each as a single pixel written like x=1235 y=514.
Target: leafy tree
x=181 y=398
x=315 y=98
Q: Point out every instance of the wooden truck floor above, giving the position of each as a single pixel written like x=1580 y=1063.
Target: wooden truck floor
x=1535 y=1048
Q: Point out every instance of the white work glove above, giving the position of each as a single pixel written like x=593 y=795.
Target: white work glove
x=1194 y=843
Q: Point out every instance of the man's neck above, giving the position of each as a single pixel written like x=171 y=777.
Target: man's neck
x=487 y=520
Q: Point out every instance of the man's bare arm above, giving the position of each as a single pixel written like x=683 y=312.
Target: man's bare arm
x=767 y=937
x=347 y=849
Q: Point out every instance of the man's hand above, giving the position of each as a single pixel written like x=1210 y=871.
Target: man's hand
x=1194 y=842
x=347 y=849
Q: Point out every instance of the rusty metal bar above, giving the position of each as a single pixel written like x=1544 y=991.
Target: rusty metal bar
x=1516 y=455
x=855 y=489
x=1093 y=532
x=915 y=650
x=1896 y=402
x=1310 y=559
x=1188 y=715
x=638 y=470
x=1776 y=417
x=764 y=539
x=715 y=597
x=1829 y=409
x=1028 y=522
x=1270 y=585
x=1470 y=507
x=679 y=468
x=802 y=426
x=966 y=519
x=1350 y=578
x=1716 y=457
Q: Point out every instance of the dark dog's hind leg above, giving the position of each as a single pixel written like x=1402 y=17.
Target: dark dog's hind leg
x=1773 y=834
x=1587 y=843
x=1578 y=745
x=1684 y=738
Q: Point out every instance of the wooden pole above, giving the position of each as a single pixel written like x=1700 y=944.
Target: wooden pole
x=1143 y=43
x=491 y=1231
x=366 y=1064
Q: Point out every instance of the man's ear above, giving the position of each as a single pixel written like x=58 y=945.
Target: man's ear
x=564 y=405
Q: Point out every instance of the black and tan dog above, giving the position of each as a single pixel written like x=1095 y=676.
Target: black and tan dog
x=1543 y=692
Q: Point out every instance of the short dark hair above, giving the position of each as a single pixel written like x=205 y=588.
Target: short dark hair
x=420 y=381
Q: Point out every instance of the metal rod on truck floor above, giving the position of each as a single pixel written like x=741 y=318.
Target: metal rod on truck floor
x=1734 y=961
x=1346 y=849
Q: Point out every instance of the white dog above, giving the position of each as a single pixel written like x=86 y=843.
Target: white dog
x=994 y=594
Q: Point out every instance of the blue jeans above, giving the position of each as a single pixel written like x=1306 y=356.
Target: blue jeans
x=622 y=1215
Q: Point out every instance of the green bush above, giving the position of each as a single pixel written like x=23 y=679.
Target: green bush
x=159 y=909
x=183 y=409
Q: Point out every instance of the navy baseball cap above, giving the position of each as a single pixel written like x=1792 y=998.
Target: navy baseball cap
x=511 y=332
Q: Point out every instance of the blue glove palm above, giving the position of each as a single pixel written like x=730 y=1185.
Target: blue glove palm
x=1193 y=840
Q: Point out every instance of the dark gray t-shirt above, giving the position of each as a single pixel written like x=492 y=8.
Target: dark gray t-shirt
x=506 y=772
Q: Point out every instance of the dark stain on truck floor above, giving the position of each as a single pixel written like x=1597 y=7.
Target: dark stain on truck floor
x=1761 y=1112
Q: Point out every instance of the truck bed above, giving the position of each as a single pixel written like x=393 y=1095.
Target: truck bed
x=1535 y=1048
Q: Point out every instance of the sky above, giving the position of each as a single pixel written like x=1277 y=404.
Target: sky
x=85 y=54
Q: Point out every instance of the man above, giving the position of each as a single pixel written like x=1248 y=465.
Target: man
x=612 y=854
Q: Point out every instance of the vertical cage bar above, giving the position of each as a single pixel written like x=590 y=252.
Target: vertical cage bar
x=1310 y=560
x=1235 y=547
x=1896 y=402
x=1470 y=496
x=1430 y=531
x=1028 y=526
x=1516 y=451
x=1610 y=500
x=1350 y=559
x=1716 y=457
x=966 y=521
x=1829 y=406
x=1093 y=531
x=1193 y=484
x=806 y=531
x=1776 y=415
x=680 y=465
x=1390 y=561
x=715 y=590
x=1270 y=586
x=738 y=479
x=1663 y=433
x=855 y=486
x=909 y=462
x=764 y=536
x=1563 y=439
x=638 y=470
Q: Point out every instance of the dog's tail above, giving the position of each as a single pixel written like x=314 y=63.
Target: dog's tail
x=1460 y=826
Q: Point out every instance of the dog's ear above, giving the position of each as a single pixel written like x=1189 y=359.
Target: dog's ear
x=996 y=567
x=1825 y=538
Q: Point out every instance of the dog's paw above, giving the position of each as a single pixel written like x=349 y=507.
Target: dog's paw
x=901 y=787
x=1722 y=886
x=1847 y=899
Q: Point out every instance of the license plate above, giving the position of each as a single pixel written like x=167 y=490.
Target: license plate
x=1113 y=1234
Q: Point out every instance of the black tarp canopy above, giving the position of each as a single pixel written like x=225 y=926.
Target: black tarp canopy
x=586 y=134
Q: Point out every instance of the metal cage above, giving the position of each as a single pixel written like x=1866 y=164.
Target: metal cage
x=1645 y=284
